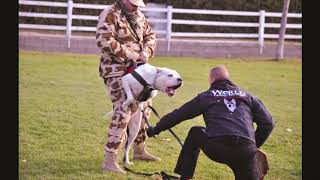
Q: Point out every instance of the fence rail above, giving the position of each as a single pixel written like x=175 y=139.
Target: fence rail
x=168 y=21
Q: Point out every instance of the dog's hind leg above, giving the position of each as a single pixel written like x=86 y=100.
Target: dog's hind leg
x=134 y=126
x=127 y=150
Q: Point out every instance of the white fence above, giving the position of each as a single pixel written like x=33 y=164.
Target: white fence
x=169 y=21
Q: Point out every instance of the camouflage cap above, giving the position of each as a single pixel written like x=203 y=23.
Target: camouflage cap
x=139 y=3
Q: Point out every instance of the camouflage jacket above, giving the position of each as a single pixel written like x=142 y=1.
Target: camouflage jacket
x=117 y=41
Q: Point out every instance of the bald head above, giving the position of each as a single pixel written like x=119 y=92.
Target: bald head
x=218 y=72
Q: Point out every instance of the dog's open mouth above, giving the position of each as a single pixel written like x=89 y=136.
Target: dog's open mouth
x=172 y=89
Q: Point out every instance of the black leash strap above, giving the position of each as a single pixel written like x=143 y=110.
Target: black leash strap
x=140 y=173
x=166 y=176
x=170 y=130
x=131 y=18
x=163 y=175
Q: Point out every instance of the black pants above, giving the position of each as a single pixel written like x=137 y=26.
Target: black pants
x=236 y=152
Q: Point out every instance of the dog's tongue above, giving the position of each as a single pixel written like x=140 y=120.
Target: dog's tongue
x=171 y=91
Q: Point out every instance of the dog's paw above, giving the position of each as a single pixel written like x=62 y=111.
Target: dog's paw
x=128 y=163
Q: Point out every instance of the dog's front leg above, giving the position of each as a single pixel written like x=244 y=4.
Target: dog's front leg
x=127 y=89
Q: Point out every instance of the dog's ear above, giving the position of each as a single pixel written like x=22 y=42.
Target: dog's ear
x=225 y=101
x=233 y=101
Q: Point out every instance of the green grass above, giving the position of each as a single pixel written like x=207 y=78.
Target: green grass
x=62 y=100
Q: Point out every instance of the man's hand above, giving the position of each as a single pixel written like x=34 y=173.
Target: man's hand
x=151 y=131
x=143 y=57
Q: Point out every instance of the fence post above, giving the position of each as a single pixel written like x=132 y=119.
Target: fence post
x=261 y=29
x=169 y=26
x=69 y=22
x=282 y=31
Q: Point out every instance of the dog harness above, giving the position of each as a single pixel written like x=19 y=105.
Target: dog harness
x=147 y=89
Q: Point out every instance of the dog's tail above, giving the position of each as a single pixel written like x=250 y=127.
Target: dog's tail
x=108 y=114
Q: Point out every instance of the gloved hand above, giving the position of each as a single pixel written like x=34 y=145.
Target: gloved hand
x=151 y=131
x=143 y=57
x=130 y=66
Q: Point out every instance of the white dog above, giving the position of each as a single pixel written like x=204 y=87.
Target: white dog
x=160 y=79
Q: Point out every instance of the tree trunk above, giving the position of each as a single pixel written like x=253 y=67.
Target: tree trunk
x=282 y=31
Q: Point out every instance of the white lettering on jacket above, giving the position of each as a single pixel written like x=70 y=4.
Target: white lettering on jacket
x=228 y=93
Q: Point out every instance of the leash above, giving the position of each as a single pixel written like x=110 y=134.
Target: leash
x=163 y=175
x=157 y=114
x=140 y=173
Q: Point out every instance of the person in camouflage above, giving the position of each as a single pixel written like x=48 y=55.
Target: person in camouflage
x=124 y=37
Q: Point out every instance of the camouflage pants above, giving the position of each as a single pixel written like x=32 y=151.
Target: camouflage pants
x=118 y=125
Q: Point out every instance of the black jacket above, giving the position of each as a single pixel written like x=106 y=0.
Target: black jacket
x=226 y=110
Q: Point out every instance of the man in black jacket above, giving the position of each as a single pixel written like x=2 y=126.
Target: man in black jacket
x=229 y=136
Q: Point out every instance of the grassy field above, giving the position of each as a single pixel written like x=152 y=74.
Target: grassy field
x=62 y=130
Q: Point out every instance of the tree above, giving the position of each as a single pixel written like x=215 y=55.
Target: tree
x=282 y=31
